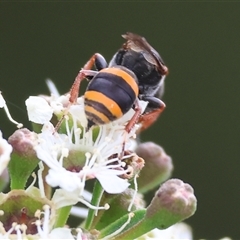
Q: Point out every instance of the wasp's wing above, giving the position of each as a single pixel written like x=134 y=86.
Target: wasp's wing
x=140 y=44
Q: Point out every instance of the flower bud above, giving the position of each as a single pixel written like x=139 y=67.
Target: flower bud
x=22 y=141
x=24 y=159
x=173 y=202
x=158 y=166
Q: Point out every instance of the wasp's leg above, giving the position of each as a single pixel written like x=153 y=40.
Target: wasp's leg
x=135 y=117
x=99 y=62
x=131 y=123
x=154 y=109
x=89 y=73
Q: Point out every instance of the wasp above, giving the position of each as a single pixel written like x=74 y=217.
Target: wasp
x=136 y=72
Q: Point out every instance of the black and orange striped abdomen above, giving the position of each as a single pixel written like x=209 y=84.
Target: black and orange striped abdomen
x=110 y=94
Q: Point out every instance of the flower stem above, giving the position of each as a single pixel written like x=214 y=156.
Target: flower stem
x=96 y=198
x=62 y=216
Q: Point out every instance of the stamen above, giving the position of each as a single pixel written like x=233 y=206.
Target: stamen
x=95 y=156
x=18 y=231
x=99 y=200
x=40 y=179
x=101 y=133
x=76 y=132
x=105 y=207
x=84 y=172
x=39 y=229
x=33 y=182
x=43 y=224
x=38 y=214
x=24 y=229
x=2 y=229
x=135 y=192
x=11 y=229
x=68 y=130
x=46 y=209
x=64 y=154
x=104 y=144
x=4 y=105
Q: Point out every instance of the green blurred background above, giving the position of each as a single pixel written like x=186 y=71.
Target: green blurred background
x=199 y=42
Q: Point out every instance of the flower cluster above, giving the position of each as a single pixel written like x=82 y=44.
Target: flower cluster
x=103 y=170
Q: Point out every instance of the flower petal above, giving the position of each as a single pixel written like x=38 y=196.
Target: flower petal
x=64 y=179
x=112 y=183
x=38 y=110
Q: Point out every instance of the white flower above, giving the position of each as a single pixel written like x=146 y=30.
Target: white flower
x=54 y=148
x=77 y=156
x=5 y=152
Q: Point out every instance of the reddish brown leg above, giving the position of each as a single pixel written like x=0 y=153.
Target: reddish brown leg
x=131 y=123
x=74 y=91
x=135 y=117
x=149 y=118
